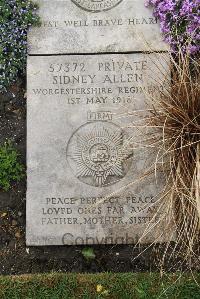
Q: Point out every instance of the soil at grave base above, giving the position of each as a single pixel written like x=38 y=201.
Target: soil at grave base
x=15 y=257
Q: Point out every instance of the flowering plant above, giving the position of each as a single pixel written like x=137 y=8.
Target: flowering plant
x=16 y=16
x=180 y=23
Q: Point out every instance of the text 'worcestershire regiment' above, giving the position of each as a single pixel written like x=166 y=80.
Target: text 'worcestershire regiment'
x=112 y=81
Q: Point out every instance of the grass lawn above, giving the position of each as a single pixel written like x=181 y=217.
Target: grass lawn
x=105 y=285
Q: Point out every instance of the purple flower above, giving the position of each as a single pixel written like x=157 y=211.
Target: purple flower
x=179 y=22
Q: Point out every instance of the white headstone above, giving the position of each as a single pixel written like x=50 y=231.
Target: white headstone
x=86 y=152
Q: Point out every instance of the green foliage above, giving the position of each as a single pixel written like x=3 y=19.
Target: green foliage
x=16 y=16
x=88 y=253
x=86 y=286
x=10 y=168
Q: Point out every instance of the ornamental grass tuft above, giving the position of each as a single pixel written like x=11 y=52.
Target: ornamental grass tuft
x=175 y=117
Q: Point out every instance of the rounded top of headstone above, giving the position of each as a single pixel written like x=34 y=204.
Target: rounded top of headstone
x=96 y=5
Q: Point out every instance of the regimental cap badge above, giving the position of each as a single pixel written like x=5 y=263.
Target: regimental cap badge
x=96 y=5
x=99 y=154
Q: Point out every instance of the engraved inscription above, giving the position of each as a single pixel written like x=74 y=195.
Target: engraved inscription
x=98 y=153
x=96 y=5
x=90 y=177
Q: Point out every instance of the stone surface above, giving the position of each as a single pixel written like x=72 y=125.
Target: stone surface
x=86 y=153
x=88 y=26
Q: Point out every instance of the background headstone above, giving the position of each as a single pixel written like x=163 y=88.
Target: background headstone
x=88 y=26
